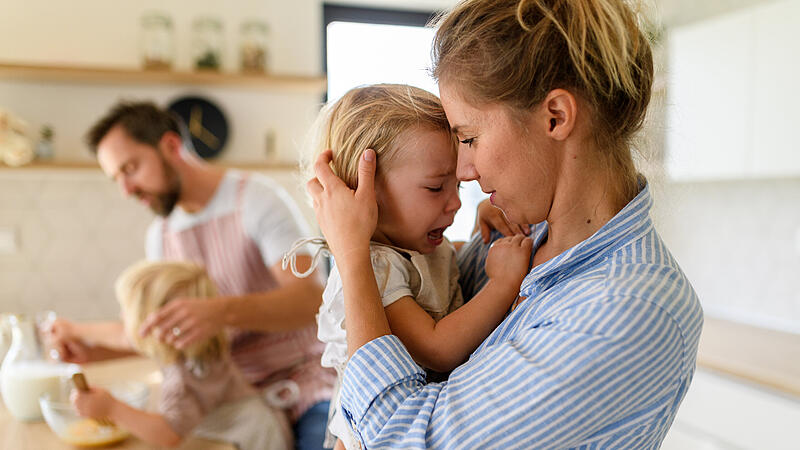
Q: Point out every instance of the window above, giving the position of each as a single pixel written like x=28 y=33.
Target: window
x=367 y=46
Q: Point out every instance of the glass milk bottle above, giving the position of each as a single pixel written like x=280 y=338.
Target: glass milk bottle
x=25 y=375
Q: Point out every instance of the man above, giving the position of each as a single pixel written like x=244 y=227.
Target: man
x=238 y=226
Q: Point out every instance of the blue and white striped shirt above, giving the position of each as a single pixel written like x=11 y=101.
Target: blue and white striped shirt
x=599 y=355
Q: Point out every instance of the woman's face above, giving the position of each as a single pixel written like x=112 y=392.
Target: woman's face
x=509 y=162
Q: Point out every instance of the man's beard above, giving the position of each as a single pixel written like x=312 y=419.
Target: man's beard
x=164 y=203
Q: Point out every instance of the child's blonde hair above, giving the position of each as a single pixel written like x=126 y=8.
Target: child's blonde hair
x=145 y=287
x=373 y=117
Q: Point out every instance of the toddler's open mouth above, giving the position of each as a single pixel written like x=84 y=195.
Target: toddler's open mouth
x=436 y=236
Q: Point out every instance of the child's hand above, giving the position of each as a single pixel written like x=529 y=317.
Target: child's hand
x=95 y=403
x=490 y=218
x=508 y=259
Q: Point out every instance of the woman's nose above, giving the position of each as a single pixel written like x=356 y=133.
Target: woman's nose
x=465 y=169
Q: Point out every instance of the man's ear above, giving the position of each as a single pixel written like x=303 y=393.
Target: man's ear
x=170 y=145
x=560 y=109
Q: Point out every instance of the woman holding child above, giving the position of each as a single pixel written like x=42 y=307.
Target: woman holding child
x=543 y=97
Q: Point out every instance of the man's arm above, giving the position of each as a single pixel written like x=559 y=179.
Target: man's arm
x=292 y=305
x=81 y=342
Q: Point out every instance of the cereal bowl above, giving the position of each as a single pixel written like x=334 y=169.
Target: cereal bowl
x=73 y=429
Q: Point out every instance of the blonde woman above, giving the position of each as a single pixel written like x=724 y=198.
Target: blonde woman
x=414 y=264
x=544 y=97
x=202 y=393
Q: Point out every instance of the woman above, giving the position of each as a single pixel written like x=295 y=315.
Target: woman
x=544 y=97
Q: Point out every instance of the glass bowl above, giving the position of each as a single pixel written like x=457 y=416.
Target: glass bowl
x=73 y=429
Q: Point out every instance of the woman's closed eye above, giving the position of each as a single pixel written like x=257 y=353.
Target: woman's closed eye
x=467 y=142
x=435 y=188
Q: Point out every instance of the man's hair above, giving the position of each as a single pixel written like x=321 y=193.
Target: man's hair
x=144 y=122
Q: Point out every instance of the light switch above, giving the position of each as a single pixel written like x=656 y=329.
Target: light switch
x=8 y=240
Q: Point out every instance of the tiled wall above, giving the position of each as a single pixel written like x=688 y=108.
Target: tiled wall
x=736 y=241
x=75 y=234
x=739 y=244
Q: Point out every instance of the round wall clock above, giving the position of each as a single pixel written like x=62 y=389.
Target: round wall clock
x=206 y=122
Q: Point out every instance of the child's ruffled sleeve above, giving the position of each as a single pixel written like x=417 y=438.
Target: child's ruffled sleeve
x=392 y=273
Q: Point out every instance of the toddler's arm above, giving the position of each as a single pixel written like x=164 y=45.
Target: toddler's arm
x=444 y=345
x=151 y=428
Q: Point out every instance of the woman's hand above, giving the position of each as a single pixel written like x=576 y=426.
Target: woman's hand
x=490 y=218
x=95 y=403
x=347 y=218
x=186 y=321
x=509 y=259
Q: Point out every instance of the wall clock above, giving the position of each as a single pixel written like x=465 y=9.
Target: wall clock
x=206 y=123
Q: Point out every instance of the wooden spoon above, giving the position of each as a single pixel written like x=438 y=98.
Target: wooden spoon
x=79 y=380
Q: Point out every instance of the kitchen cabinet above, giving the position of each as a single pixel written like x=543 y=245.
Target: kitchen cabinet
x=709 y=98
x=776 y=67
x=732 y=95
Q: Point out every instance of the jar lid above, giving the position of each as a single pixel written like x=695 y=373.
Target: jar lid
x=255 y=25
x=156 y=18
x=207 y=22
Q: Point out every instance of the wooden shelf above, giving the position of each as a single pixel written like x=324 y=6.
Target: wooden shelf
x=90 y=165
x=100 y=75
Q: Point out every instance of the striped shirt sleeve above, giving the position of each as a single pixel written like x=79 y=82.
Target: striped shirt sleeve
x=596 y=372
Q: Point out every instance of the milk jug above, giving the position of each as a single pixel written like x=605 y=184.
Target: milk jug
x=25 y=375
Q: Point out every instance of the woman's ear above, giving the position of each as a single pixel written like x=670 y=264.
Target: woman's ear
x=560 y=110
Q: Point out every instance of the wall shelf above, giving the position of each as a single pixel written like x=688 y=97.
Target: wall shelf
x=105 y=75
x=90 y=165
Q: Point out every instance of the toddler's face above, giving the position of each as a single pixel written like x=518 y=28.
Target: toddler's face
x=418 y=196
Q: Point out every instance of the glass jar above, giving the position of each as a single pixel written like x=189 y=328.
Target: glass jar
x=157 y=44
x=253 y=46
x=207 y=43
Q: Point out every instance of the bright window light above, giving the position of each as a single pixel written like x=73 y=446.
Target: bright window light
x=364 y=53
x=361 y=53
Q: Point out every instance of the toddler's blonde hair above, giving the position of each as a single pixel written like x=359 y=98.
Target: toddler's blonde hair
x=145 y=287
x=373 y=117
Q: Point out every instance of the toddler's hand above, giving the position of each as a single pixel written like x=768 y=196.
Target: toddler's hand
x=509 y=258
x=490 y=218
x=95 y=403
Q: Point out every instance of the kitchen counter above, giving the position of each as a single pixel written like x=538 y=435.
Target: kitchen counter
x=766 y=357
x=16 y=435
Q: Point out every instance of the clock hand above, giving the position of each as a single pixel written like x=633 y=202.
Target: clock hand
x=207 y=137
x=210 y=136
x=196 y=120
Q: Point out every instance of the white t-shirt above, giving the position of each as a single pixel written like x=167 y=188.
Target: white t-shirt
x=270 y=216
x=432 y=280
